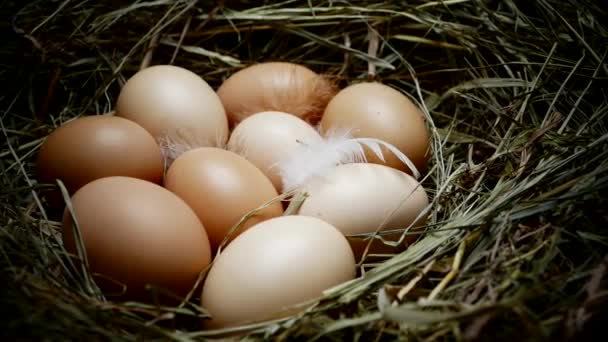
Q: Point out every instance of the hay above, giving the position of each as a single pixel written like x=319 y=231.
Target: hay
x=516 y=97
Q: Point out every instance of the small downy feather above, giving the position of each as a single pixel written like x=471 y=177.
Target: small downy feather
x=337 y=147
x=176 y=143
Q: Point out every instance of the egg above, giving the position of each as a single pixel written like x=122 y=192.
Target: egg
x=275 y=264
x=221 y=186
x=171 y=101
x=92 y=147
x=360 y=198
x=276 y=86
x=135 y=233
x=266 y=138
x=375 y=110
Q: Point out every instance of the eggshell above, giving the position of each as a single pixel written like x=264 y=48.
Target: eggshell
x=375 y=110
x=267 y=137
x=169 y=100
x=275 y=264
x=221 y=186
x=136 y=233
x=92 y=147
x=361 y=198
x=276 y=86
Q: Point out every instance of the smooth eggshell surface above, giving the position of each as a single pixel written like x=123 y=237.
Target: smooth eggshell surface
x=275 y=86
x=375 y=110
x=363 y=197
x=275 y=264
x=266 y=138
x=221 y=186
x=137 y=233
x=92 y=147
x=169 y=100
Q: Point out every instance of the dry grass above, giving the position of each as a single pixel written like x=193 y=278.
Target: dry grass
x=516 y=96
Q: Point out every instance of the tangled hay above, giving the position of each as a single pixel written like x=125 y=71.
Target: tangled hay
x=517 y=102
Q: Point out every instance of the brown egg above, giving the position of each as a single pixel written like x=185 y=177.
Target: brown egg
x=276 y=264
x=375 y=110
x=276 y=86
x=169 y=100
x=92 y=147
x=221 y=187
x=137 y=233
x=362 y=198
x=266 y=138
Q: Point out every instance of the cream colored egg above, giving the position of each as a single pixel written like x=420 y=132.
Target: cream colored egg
x=274 y=265
x=173 y=101
x=266 y=138
x=362 y=198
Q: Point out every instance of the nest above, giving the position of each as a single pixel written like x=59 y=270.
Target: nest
x=516 y=100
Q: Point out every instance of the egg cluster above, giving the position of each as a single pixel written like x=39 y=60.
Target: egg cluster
x=182 y=179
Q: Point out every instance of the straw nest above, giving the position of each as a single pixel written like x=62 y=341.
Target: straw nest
x=515 y=91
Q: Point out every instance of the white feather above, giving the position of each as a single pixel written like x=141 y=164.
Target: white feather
x=375 y=146
x=177 y=142
x=337 y=147
x=172 y=147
